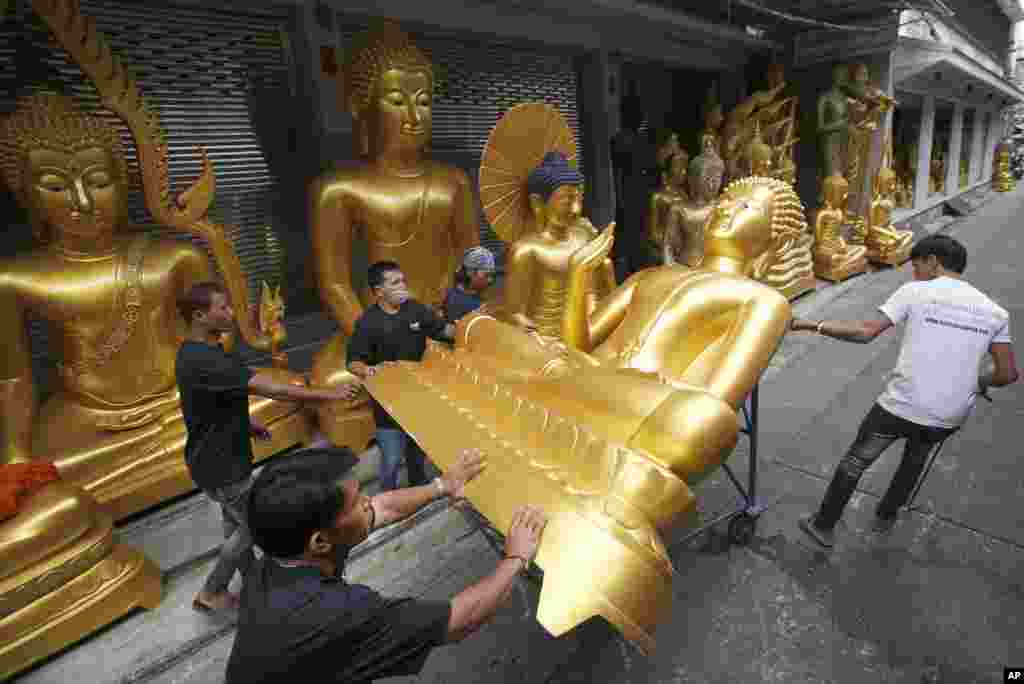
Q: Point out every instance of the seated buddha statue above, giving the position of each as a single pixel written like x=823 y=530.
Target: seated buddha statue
x=113 y=425
x=885 y=244
x=1002 y=176
x=834 y=259
x=408 y=208
x=671 y=192
x=539 y=262
x=687 y=219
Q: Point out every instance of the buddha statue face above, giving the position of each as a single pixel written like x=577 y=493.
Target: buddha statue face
x=750 y=222
x=705 y=177
x=67 y=169
x=675 y=174
x=836 y=192
x=561 y=209
x=389 y=85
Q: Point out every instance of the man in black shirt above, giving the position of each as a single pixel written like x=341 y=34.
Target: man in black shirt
x=215 y=387
x=301 y=621
x=396 y=328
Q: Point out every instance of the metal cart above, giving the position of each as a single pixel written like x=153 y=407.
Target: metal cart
x=742 y=520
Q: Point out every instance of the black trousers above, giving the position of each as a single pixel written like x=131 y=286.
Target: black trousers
x=877 y=432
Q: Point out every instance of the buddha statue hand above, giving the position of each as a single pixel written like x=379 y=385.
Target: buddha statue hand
x=591 y=255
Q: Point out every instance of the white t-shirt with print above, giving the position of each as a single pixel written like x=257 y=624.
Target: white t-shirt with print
x=949 y=326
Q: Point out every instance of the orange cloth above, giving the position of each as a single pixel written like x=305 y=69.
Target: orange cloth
x=18 y=480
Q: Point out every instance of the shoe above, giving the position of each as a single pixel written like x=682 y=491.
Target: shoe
x=826 y=538
x=883 y=525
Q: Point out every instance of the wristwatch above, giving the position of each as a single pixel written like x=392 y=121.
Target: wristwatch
x=439 y=483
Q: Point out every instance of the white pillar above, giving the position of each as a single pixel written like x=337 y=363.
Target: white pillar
x=991 y=138
x=955 y=148
x=977 y=145
x=924 y=151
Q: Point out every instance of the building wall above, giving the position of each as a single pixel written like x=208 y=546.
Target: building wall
x=986 y=23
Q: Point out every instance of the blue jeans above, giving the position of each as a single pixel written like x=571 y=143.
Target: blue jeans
x=396 y=446
x=236 y=551
x=877 y=432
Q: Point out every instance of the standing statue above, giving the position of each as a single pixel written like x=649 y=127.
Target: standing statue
x=867 y=106
x=780 y=128
x=532 y=193
x=671 y=192
x=113 y=426
x=713 y=119
x=410 y=209
x=686 y=220
x=611 y=429
x=834 y=259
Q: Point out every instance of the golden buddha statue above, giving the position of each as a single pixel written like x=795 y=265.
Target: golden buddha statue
x=408 y=208
x=885 y=244
x=713 y=119
x=671 y=192
x=759 y=155
x=532 y=194
x=686 y=220
x=114 y=425
x=1002 y=176
x=610 y=429
x=834 y=259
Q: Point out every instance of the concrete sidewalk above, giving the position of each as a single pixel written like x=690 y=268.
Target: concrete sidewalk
x=938 y=600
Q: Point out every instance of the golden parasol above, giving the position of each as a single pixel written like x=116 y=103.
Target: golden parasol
x=517 y=145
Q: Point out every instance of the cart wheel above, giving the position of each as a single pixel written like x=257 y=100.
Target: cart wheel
x=742 y=528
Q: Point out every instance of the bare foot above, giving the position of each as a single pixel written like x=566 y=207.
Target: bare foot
x=223 y=601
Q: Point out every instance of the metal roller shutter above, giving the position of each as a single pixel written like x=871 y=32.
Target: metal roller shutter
x=201 y=69
x=478 y=81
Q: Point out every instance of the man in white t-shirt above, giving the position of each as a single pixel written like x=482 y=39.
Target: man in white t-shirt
x=949 y=327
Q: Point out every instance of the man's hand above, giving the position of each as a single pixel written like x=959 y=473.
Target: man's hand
x=802 y=324
x=470 y=464
x=524 y=534
x=346 y=392
x=259 y=432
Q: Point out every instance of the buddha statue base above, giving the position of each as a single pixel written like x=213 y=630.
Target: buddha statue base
x=135 y=458
x=837 y=268
x=605 y=502
x=1003 y=184
x=63 y=577
x=889 y=255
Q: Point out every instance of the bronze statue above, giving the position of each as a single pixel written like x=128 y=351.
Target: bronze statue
x=686 y=220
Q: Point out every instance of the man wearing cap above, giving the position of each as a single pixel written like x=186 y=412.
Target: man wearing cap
x=475 y=276
x=394 y=328
x=301 y=621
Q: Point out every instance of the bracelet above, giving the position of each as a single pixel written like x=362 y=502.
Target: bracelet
x=525 y=563
x=821 y=324
x=440 y=486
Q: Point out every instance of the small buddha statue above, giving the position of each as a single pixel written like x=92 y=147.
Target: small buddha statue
x=834 y=259
x=687 y=219
x=669 y=147
x=1002 y=176
x=113 y=426
x=713 y=119
x=538 y=263
x=885 y=244
x=759 y=155
x=937 y=175
x=671 y=192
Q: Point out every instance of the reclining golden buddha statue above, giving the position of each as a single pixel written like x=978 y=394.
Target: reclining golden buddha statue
x=610 y=427
x=113 y=426
x=61 y=574
x=408 y=208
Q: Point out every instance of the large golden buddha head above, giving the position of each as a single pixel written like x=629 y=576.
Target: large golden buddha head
x=388 y=88
x=752 y=221
x=555 y=189
x=66 y=168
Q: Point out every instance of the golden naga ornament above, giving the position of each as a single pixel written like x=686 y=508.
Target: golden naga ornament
x=834 y=259
x=1002 y=176
x=114 y=425
x=532 y=193
x=611 y=428
x=405 y=207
